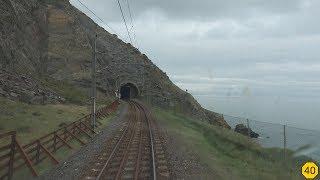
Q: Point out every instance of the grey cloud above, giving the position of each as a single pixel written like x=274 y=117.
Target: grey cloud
x=269 y=48
x=195 y=9
x=208 y=9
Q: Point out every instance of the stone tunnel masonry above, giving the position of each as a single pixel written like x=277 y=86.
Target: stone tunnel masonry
x=129 y=90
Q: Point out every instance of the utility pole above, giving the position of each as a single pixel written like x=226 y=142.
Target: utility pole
x=284 y=143
x=94 y=90
x=143 y=78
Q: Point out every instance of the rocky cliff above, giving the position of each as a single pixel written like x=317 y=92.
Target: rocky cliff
x=52 y=38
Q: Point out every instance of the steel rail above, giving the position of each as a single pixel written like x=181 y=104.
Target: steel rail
x=139 y=128
x=113 y=152
x=125 y=156
x=137 y=168
x=151 y=140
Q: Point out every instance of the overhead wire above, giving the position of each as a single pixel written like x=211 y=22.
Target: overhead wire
x=124 y=20
x=114 y=31
x=132 y=24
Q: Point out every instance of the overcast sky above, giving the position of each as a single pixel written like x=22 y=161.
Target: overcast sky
x=230 y=54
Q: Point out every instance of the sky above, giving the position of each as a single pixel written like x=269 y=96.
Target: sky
x=256 y=59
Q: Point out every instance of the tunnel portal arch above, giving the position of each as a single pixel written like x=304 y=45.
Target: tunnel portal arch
x=128 y=90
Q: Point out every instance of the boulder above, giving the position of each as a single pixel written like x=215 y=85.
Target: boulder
x=13 y=94
x=62 y=124
x=242 y=129
x=37 y=100
x=2 y=92
x=61 y=99
x=26 y=96
x=33 y=92
x=36 y=114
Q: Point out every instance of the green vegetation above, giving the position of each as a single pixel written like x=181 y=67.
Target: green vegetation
x=228 y=154
x=51 y=1
x=72 y=93
x=61 y=154
x=32 y=121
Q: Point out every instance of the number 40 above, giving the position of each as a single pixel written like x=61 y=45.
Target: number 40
x=310 y=170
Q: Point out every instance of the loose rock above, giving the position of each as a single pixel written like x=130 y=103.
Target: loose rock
x=242 y=129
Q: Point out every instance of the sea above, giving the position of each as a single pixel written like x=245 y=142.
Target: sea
x=293 y=123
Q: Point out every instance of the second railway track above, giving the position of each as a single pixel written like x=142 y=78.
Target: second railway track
x=135 y=152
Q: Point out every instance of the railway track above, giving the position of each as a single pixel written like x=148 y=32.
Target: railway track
x=135 y=152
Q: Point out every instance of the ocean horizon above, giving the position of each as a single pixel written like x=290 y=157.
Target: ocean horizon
x=267 y=116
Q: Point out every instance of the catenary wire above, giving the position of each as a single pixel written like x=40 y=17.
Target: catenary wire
x=99 y=18
x=124 y=20
x=132 y=24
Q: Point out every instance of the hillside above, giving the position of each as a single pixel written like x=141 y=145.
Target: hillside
x=50 y=42
x=216 y=153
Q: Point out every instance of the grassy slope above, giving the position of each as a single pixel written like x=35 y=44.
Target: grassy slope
x=32 y=121
x=62 y=154
x=228 y=154
x=65 y=89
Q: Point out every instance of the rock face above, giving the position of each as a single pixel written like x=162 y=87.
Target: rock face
x=23 y=35
x=242 y=129
x=217 y=119
x=53 y=38
x=25 y=89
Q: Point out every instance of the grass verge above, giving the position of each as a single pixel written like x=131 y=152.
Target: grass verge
x=62 y=154
x=33 y=121
x=72 y=93
x=228 y=154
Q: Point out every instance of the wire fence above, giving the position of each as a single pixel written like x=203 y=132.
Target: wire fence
x=297 y=142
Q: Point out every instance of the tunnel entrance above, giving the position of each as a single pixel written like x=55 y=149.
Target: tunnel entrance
x=128 y=91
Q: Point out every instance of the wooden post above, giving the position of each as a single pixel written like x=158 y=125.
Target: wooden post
x=73 y=129
x=55 y=141
x=54 y=160
x=74 y=136
x=26 y=159
x=63 y=141
x=38 y=152
x=65 y=134
x=284 y=143
x=84 y=131
x=12 y=153
x=87 y=127
x=80 y=125
x=249 y=131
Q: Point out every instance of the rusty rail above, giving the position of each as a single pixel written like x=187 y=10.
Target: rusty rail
x=133 y=152
x=14 y=156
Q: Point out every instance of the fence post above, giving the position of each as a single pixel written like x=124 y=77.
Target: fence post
x=55 y=141
x=284 y=142
x=38 y=152
x=26 y=158
x=65 y=134
x=12 y=153
x=249 y=131
x=73 y=130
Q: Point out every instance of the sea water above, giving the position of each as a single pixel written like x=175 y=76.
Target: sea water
x=267 y=116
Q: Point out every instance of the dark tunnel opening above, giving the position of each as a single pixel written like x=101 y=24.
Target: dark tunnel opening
x=128 y=91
